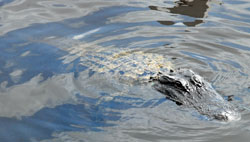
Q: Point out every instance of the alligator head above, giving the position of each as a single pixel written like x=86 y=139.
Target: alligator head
x=185 y=87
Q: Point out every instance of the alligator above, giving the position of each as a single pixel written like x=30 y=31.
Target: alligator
x=182 y=86
x=187 y=88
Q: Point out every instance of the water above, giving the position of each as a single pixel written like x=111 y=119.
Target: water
x=73 y=70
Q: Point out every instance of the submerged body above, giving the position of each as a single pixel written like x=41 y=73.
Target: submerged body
x=187 y=88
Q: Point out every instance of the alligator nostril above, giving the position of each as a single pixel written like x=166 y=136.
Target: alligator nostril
x=230 y=98
x=221 y=117
x=228 y=115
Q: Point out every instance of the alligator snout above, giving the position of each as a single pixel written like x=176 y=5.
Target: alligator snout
x=185 y=87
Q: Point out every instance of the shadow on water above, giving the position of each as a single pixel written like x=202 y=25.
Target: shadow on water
x=194 y=9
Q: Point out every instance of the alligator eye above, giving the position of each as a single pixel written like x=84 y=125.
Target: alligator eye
x=166 y=79
x=197 y=80
x=179 y=84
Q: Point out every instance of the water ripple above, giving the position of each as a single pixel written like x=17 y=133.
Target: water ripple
x=72 y=70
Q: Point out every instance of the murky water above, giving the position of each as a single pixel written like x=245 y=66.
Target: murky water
x=76 y=70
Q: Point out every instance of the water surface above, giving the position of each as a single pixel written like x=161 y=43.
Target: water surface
x=73 y=70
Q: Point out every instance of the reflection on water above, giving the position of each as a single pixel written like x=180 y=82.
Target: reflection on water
x=57 y=105
x=3 y=2
x=191 y=8
x=77 y=70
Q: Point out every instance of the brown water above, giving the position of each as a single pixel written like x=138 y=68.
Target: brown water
x=75 y=70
